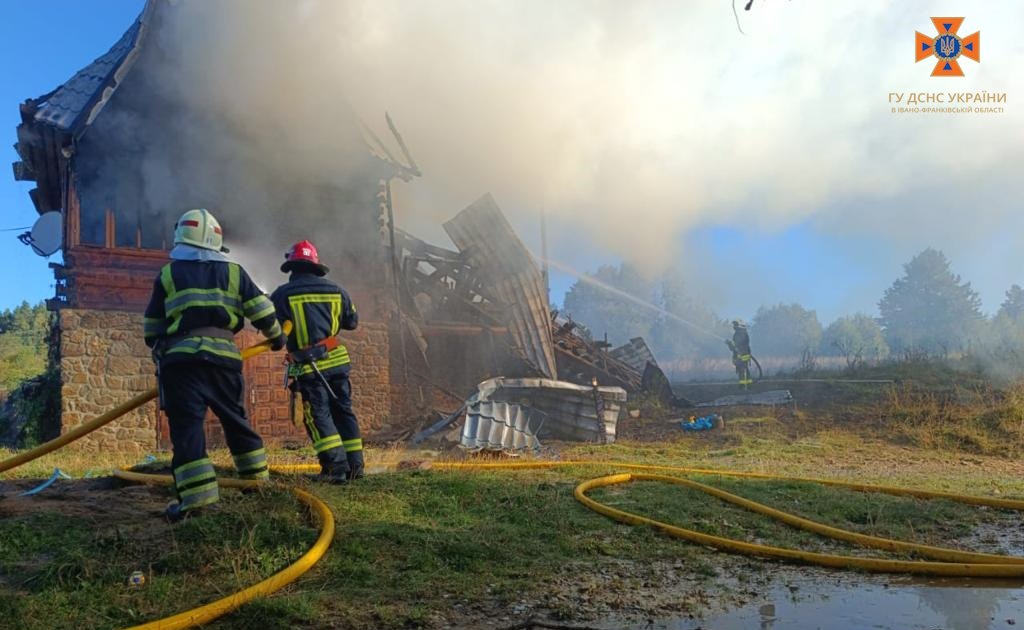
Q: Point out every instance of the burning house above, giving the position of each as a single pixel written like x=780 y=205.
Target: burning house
x=125 y=145
x=121 y=149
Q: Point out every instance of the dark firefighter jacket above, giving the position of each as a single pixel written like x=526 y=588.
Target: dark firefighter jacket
x=189 y=295
x=741 y=340
x=318 y=309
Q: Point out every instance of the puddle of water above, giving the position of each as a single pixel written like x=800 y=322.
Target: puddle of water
x=912 y=604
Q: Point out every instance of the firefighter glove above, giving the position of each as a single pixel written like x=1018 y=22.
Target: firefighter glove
x=278 y=342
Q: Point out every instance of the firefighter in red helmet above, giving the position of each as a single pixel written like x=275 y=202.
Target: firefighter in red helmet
x=319 y=363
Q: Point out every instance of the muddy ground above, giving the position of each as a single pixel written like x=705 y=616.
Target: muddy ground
x=104 y=501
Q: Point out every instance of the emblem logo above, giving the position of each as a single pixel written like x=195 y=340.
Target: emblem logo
x=947 y=47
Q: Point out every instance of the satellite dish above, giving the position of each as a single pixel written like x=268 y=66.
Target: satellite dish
x=46 y=235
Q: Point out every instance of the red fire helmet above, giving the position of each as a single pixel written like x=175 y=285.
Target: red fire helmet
x=303 y=257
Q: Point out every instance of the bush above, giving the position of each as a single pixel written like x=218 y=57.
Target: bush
x=30 y=414
x=858 y=339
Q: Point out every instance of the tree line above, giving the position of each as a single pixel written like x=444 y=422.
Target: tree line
x=23 y=344
x=929 y=311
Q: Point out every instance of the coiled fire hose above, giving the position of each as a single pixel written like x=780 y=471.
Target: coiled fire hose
x=941 y=561
x=209 y=612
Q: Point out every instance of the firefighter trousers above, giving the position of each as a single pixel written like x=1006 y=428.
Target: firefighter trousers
x=331 y=424
x=742 y=363
x=188 y=390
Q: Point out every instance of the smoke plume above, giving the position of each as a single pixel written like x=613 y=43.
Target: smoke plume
x=631 y=124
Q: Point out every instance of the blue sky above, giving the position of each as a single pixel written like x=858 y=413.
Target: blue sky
x=738 y=269
x=767 y=168
x=42 y=46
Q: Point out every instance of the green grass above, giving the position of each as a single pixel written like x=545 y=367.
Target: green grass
x=72 y=460
x=931 y=522
x=60 y=571
x=411 y=543
x=414 y=545
x=929 y=373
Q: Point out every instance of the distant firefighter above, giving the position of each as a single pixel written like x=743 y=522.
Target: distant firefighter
x=740 y=346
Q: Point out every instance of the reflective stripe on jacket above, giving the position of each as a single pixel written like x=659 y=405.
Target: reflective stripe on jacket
x=318 y=309
x=188 y=295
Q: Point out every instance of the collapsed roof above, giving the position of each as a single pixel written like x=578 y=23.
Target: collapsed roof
x=500 y=261
x=493 y=282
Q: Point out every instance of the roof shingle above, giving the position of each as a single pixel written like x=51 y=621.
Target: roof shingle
x=67 y=108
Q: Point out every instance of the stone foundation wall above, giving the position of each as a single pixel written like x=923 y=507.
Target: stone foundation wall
x=103 y=362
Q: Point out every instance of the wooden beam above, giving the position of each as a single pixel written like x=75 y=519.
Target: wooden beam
x=72 y=217
x=460 y=328
x=109 y=230
x=109 y=279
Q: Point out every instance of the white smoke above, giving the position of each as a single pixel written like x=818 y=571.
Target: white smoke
x=632 y=123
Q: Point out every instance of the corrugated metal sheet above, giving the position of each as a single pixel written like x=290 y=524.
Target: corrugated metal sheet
x=501 y=426
x=773 y=397
x=74 y=104
x=570 y=412
x=636 y=354
x=490 y=246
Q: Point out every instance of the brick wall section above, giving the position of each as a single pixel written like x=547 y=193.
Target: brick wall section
x=104 y=362
x=266 y=399
x=370 y=375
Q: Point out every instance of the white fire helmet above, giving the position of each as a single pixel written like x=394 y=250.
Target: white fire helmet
x=199 y=228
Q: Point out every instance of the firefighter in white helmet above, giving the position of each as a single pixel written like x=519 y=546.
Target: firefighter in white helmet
x=200 y=300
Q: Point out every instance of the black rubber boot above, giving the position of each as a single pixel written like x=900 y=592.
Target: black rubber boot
x=174 y=513
x=333 y=467
x=355 y=465
x=334 y=480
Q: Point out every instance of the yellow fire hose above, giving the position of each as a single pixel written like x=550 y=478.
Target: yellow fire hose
x=951 y=563
x=943 y=561
x=115 y=413
x=209 y=612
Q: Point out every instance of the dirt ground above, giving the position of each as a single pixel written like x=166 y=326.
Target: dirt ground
x=105 y=500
